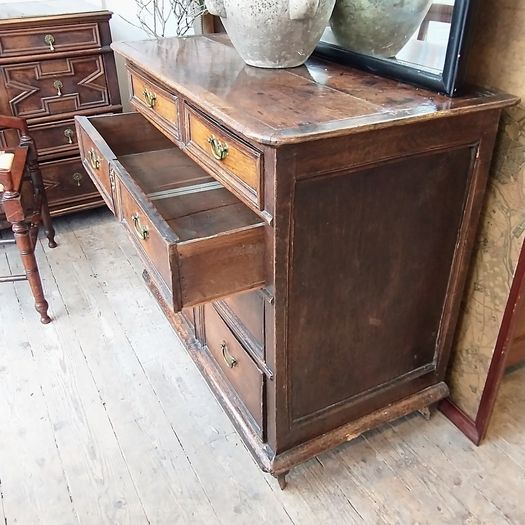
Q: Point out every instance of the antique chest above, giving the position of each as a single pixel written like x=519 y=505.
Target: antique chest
x=306 y=231
x=55 y=63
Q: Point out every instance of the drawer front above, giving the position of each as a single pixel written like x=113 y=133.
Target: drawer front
x=145 y=228
x=67 y=184
x=236 y=365
x=95 y=158
x=159 y=106
x=52 y=87
x=234 y=163
x=48 y=40
x=247 y=310
x=198 y=241
x=55 y=139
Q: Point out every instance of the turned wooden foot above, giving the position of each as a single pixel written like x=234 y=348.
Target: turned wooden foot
x=27 y=253
x=48 y=224
x=426 y=413
x=281 y=479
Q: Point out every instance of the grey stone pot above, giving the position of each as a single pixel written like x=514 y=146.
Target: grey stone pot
x=273 y=33
x=377 y=27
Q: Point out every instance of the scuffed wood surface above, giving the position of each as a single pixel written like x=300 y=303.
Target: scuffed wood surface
x=105 y=420
x=279 y=106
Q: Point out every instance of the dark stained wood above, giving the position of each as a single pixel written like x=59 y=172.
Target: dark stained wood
x=20 y=182
x=249 y=310
x=517 y=346
x=358 y=228
x=235 y=364
x=68 y=186
x=292 y=105
x=55 y=140
x=49 y=83
x=376 y=271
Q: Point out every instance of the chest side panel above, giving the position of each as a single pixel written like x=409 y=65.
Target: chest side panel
x=372 y=256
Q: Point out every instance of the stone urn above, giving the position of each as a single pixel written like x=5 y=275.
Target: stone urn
x=377 y=27
x=273 y=33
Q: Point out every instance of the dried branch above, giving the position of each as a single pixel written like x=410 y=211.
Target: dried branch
x=153 y=15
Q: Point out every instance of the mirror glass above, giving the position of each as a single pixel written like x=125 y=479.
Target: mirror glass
x=422 y=42
x=411 y=33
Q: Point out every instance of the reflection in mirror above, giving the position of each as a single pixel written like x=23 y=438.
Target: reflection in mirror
x=414 y=33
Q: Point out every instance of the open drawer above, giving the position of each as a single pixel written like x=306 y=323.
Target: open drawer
x=198 y=241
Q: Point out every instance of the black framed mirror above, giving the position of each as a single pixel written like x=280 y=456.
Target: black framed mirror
x=418 y=41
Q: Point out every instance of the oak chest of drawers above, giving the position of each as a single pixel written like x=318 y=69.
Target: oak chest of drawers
x=55 y=63
x=306 y=231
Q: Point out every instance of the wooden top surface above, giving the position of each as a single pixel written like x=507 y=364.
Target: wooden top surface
x=45 y=9
x=275 y=106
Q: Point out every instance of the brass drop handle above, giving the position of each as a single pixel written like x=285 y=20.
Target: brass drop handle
x=230 y=360
x=93 y=159
x=219 y=149
x=69 y=134
x=50 y=40
x=77 y=177
x=150 y=98
x=141 y=231
x=58 y=86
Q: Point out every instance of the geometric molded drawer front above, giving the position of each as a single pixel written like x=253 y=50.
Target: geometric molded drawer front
x=233 y=162
x=66 y=182
x=51 y=87
x=48 y=40
x=55 y=138
x=198 y=241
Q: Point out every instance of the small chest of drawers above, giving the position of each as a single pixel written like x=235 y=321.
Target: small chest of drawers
x=55 y=63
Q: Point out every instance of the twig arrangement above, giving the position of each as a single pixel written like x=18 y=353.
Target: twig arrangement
x=154 y=15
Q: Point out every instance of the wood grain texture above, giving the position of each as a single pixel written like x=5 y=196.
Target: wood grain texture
x=262 y=104
x=160 y=105
x=201 y=242
x=241 y=162
x=370 y=194
x=411 y=470
x=56 y=63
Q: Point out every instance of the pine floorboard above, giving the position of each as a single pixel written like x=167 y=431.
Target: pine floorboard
x=104 y=419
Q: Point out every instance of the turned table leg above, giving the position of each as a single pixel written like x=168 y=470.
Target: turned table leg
x=39 y=191
x=27 y=253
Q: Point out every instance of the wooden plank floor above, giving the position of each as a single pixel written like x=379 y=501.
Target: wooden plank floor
x=104 y=419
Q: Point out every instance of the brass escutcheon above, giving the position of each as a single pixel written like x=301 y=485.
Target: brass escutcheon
x=230 y=360
x=219 y=149
x=77 y=177
x=50 y=40
x=57 y=84
x=69 y=134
